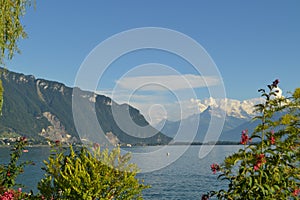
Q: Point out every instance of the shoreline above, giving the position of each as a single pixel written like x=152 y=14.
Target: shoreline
x=139 y=145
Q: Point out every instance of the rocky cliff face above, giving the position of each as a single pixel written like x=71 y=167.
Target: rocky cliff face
x=56 y=131
x=42 y=109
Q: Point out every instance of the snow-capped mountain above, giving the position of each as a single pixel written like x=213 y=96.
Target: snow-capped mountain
x=232 y=107
x=235 y=113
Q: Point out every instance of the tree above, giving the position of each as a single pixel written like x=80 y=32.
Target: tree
x=268 y=168
x=10 y=171
x=11 y=30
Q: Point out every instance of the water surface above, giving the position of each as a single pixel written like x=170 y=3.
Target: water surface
x=186 y=178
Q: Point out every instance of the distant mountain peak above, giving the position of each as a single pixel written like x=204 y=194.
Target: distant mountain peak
x=232 y=107
x=236 y=113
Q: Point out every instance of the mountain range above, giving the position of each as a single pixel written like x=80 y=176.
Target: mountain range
x=42 y=110
x=237 y=116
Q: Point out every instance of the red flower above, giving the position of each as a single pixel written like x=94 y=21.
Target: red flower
x=296 y=192
x=275 y=83
x=23 y=139
x=8 y=173
x=272 y=138
x=57 y=142
x=204 y=197
x=9 y=195
x=214 y=167
x=260 y=159
x=96 y=145
x=245 y=137
x=256 y=167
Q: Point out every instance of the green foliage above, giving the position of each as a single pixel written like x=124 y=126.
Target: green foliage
x=78 y=175
x=85 y=175
x=11 y=28
x=268 y=169
x=9 y=172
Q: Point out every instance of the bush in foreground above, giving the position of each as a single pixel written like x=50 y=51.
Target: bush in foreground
x=268 y=168
x=85 y=175
x=81 y=174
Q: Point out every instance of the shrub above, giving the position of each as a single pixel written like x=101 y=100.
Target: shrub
x=90 y=175
x=9 y=173
x=269 y=167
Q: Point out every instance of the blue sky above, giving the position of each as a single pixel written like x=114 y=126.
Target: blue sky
x=251 y=42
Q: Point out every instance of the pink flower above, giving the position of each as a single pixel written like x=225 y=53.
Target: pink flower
x=96 y=145
x=19 y=189
x=272 y=138
x=256 y=167
x=275 y=83
x=9 y=195
x=204 y=197
x=23 y=138
x=214 y=167
x=296 y=192
x=245 y=137
x=260 y=159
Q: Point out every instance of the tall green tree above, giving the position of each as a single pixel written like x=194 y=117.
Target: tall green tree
x=11 y=30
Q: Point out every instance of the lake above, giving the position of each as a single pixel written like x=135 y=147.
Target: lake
x=188 y=177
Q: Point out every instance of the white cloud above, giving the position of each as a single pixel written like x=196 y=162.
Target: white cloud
x=167 y=82
x=162 y=96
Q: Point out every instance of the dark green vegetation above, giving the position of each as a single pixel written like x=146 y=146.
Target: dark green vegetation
x=40 y=109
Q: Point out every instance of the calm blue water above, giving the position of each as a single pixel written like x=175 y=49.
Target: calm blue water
x=186 y=178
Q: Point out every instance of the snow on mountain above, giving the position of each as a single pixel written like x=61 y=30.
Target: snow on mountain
x=238 y=113
x=232 y=107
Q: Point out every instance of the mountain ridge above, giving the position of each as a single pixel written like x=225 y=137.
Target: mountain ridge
x=41 y=109
x=237 y=114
